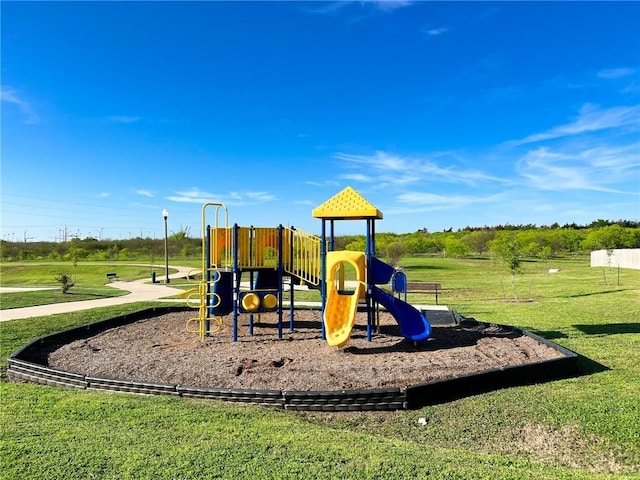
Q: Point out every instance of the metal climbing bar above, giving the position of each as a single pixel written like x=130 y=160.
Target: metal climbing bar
x=220 y=236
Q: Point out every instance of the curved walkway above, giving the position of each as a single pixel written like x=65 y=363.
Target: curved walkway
x=140 y=291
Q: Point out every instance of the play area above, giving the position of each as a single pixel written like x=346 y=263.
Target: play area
x=245 y=270
x=362 y=347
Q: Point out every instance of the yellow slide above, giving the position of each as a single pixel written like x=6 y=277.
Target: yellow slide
x=341 y=307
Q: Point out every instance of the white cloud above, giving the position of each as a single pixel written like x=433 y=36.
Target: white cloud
x=593 y=153
x=332 y=7
x=326 y=183
x=389 y=169
x=325 y=8
x=633 y=87
x=434 y=32
x=591 y=118
x=357 y=177
x=613 y=73
x=123 y=119
x=9 y=95
x=260 y=197
x=388 y=5
x=426 y=198
x=195 y=195
x=378 y=161
x=594 y=169
x=144 y=193
x=412 y=203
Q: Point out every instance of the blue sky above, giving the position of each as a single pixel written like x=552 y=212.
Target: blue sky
x=442 y=115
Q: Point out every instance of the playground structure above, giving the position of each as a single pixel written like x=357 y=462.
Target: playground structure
x=267 y=256
x=244 y=270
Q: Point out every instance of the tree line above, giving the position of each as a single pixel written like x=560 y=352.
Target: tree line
x=526 y=240
x=76 y=249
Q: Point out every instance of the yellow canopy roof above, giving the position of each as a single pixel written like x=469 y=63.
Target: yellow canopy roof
x=347 y=205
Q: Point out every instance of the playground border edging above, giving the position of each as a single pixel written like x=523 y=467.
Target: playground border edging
x=26 y=364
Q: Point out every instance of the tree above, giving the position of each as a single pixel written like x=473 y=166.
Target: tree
x=416 y=243
x=455 y=248
x=507 y=248
x=478 y=240
x=544 y=253
x=64 y=279
x=395 y=251
x=608 y=238
x=181 y=234
x=357 y=245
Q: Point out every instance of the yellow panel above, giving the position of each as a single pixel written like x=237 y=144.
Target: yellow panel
x=251 y=302
x=348 y=204
x=269 y=301
x=221 y=247
x=304 y=262
x=340 y=309
x=265 y=247
x=244 y=248
x=357 y=259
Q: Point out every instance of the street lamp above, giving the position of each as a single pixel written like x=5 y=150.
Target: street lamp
x=165 y=215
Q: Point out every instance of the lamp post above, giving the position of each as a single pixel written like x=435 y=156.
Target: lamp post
x=165 y=215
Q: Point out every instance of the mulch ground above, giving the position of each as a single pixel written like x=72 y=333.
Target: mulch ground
x=160 y=350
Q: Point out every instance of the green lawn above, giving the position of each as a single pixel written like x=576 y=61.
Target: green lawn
x=89 y=280
x=86 y=274
x=48 y=297
x=584 y=427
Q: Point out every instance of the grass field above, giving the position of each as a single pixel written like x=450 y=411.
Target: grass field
x=89 y=281
x=583 y=427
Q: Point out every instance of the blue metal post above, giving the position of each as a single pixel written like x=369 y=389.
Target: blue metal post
x=291 y=283
x=373 y=237
x=251 y=273
x=323 y=267
x=370 y=306
x=331 y=235
x=236 y=282
x=207 y=300
x=280 y=268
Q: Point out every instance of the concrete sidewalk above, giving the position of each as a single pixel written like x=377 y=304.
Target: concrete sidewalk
x=140 y=291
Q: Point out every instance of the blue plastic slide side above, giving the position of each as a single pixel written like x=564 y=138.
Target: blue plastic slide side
x=223 y=294
x=413 y=324
x=399 y=282
x=380 y=272
x=266 y=280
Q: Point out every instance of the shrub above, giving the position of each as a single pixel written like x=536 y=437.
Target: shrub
x=65 y=281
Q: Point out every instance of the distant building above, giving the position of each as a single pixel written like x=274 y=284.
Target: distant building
x=621 y=257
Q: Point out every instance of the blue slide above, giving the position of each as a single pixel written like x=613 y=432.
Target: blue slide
x=413 y=324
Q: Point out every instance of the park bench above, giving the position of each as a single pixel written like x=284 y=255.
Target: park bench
x=112 y=276
x=419 y=287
